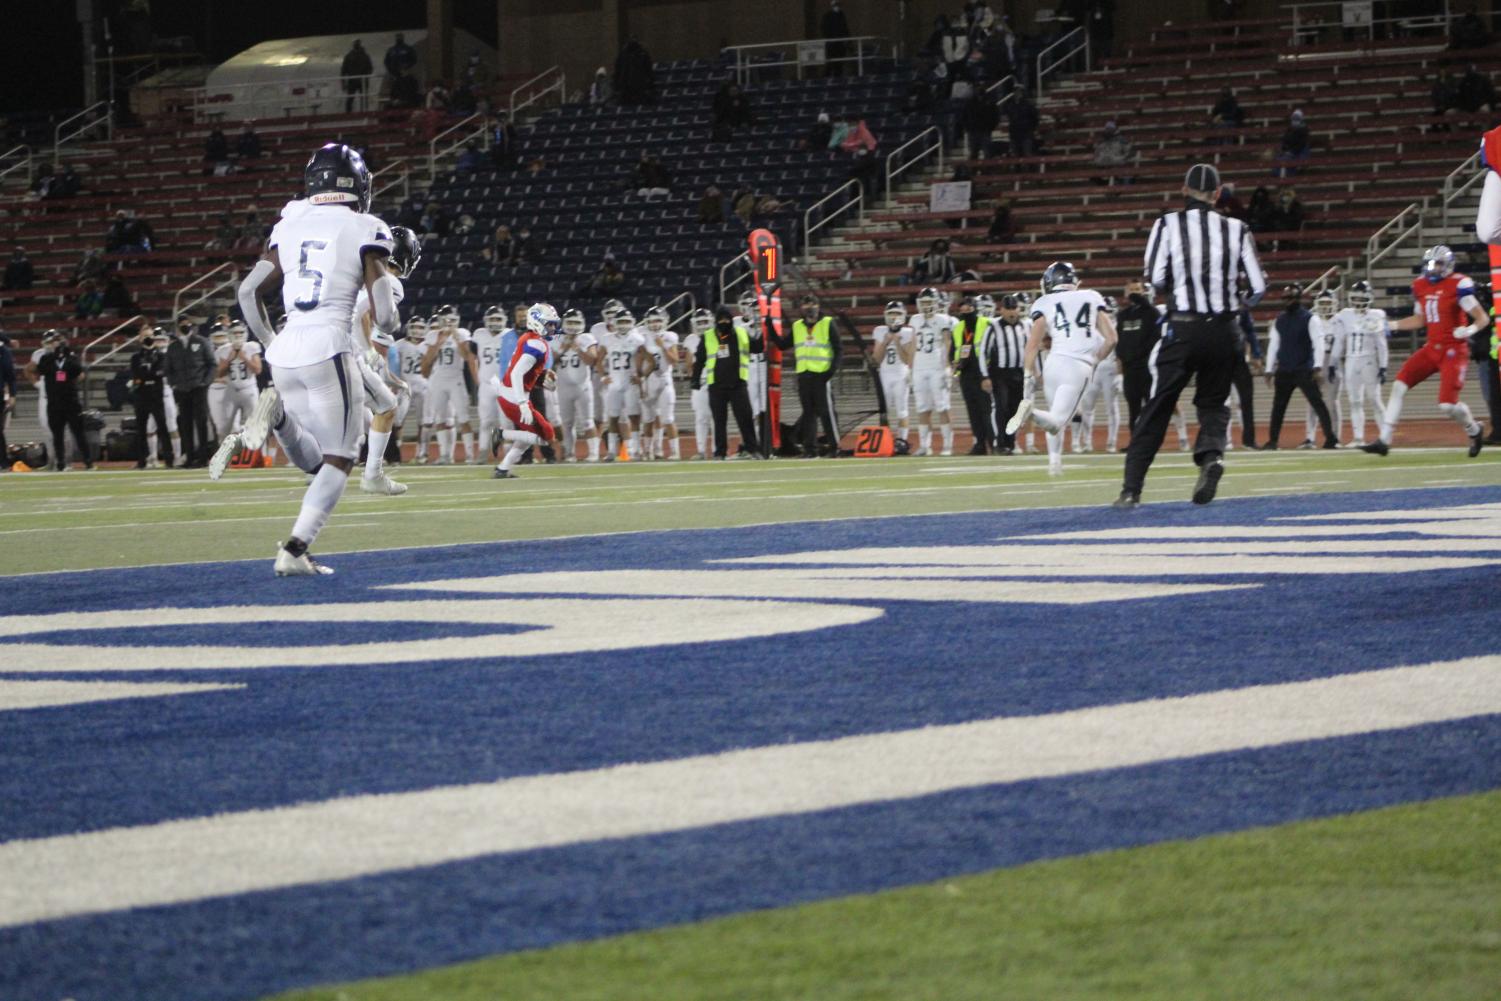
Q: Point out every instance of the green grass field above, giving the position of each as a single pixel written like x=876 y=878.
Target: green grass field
x=81 y=520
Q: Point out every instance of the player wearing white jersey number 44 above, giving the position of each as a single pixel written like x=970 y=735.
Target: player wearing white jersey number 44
x=323 y=251
x=1082 y=335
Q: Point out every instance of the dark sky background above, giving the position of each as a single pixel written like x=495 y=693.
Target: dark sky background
x=41 y=62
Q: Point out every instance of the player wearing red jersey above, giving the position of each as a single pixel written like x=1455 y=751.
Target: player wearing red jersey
x=1442 y=302
x=519 y=423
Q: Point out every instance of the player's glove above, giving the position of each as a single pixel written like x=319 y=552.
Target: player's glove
x=524 y=413
x=1464 y=333
x=1029 y=387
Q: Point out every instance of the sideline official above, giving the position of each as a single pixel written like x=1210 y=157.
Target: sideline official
x=969 y=338
x=816 y=342
x=148 y=378
x=722 y=362
x=1194 y=256
x=1001 y=372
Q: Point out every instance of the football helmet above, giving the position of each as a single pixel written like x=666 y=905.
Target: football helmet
x=656 y=319
x=495 y=320
x=896 y=314
x=612 y=309
x=1326 y=305
x=219 y=336
x=701 y=320
x=1110 y=304
x=337 y=175
x=416 y=329
x=624 y=322
x=927 y=301
x=985 y=305
x=1438 y=263
x=750 y=305
x=1360 y=296
x=237 y=333
x=573 y=322
x=542 y=319
x=446 y=317
x=1060 y=277
x=407 y=251
x=381 y=339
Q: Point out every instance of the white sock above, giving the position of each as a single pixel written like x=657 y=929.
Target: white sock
x=375 y=460
x=1460 y=414
x=1181 y=424
x=922 y=437
x=318 y=502
x=614 y=443
x=513 y=456
x=302 y=448
x=656 y=443
x=1055 y=446
x=1393 y=412
x=635 y=445
x=470 y=453
x=677 y=451
x=521 y=443
x=447 y=441
x=591 y=446
x=948 y=437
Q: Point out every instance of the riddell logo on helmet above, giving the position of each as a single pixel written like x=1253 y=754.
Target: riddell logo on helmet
x=330 y=197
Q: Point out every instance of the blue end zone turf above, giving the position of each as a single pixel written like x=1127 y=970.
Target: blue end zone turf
x=296 y=735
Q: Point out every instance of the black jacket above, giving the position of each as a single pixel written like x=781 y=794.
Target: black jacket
x=61 y=372
x=1139 y=327
x=190 y=363
x=726 y=369
x=148 y=370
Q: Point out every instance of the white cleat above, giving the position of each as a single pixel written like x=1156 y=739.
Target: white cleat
x=382 y=484
x=947 y=451
x=267 y=413
x=1023 y=411
x=228 y=446
x=419 y=459
x=288 y=565
x=1055 y=468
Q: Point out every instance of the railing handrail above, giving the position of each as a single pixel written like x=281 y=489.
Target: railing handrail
x=666 y=307
x=433 y=153
x=1322 y=281
x=23 y=161
x=810 y=227
x=83 y=353
x=1452 y=189
x=937 y=144
x=560 y=85
x=107 y=116
x=1421 y=20
x=279 y=92
x=1044 y=70
x=1375 y=253
x=1392 y=223
x=178 y=309
x=743 y=65
x=725 y=286
x=403 y=178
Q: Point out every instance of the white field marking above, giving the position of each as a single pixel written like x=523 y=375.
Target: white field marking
x=1171 y=548
x=613 y=625
x=1472 y=511
x=1473 y=529
x=1092 y=561
x=899 y=584
x=178 y=861
x=44 y=694
x=1290 y=489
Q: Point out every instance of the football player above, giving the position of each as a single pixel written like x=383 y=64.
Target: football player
x=1082 y=336
x=622 y=386
x=519 y=424
x=1321 y=324
x=932 y=336
x=755 y=382
x=409 y=355
x=383 y=387
x=1103 y=388
x=487 y=348
x=232 y=396
x=600 y=330
x=577 y=354
x=1442 y=300
x=655 y=362
x=1363 y=332
x=447 y=355
x=323 y=250
x=892 y=345
x=703 y=421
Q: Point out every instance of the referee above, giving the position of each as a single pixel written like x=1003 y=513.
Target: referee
x=1001 y=368
x=1194 y=256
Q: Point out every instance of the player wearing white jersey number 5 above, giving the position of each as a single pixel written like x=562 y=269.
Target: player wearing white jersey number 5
x=1082 y=335
x=324 y=249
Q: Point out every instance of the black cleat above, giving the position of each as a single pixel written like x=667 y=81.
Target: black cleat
x=1330 y=443
x=1377 y=447
x=1127 y=501
x=1306 y=443
x=503 y=474
x=1477 y=442
x=1209 y=481
x=496 y=440
x=1270 y=446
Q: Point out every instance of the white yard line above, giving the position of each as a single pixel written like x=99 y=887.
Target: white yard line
x=178 y=861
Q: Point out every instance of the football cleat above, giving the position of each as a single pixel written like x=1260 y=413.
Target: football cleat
x=1209 y=482
x=266 y=414
x=228 y=446
x=1023 y=411
x=1127 y=501
x=1477 y=442
x=288 y=565
x=1377 y=447
x=382 y=483
x=503 y=474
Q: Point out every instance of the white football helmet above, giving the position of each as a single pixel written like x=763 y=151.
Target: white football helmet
x=416 y=329
x=624 y=322
x=237 y=333
x=612 y=309
x=573 y=322
x=896 y=314
x=750 y=306
x=219 y=336
x=1326 y=305
x=447 y=317
x=985 y=305
x=1438 y=263
x=542 y=319
x=381 y=339
x=928 y=301
x=701 y=320
x=495 y=320
x=1361 y=296
x=656 y=319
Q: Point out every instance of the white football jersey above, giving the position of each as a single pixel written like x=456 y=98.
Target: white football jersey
x=409 y=356
x=1073 y=322
x=656 y=346
x=934 y=339
x=1365 y=332
x=620 y=354
x=239 y=375
x=321 y=252
x=891 y=359
x=487 y=345
x=448 y=366
x=569 y=362
x=357 y=342
x=1328 y=332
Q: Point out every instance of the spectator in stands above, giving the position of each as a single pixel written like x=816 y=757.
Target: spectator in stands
x=504 y=244
x=486 y=263
x=400 y=57
x=1296 y=145
x=954 y=48
x=406 y=92
x=1445 y=92
x=609 y=279
x=935 y=267
x=117 y=297
x=1259 y=213
x=852 y=136
x=600 y=90
x=472 y=159
x=527 y=250
x=1287 y=214
x=934 y=45
x=248 y=143
x=1468 y=31
x=225 y=233
x=1113 y=150
x=90 y=301
x=731 y=111
x=355 y=68
x=91 y=267
x=68 y=182
x=1476 y=91
x=834 y=25
x=979 y=120
x=922 y=92
x=128 y=234
x=1002 y=223
x=437 y=98
x=1227 y=112
x=711 y=207
x=46 y=177
x=1229 y=205
x=252 y=232
x=818 y=134
x=463 y=101
x=215 y=150
x=1021 y=124
x=650 y=178
x=635 y=79
x=19 y=273
x=503 y=142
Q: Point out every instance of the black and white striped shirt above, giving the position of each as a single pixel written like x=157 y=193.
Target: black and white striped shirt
x=1195 y=256
x=1004 y=344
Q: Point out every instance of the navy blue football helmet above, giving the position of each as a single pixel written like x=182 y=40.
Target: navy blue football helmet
x=1060 y=277
x=407 y=252
x=337 y=175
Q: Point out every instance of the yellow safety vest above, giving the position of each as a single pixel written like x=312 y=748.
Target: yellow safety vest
x=981 y=322
x=815 y=352
x=711 y=352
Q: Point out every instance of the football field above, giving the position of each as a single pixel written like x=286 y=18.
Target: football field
x=914 y=728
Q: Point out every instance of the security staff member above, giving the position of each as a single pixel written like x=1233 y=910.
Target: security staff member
x=1295 y=360
x=190 y=371
x=148 y=378
x=969 y=336
x=816 y=342
x=1194 y=256
x=1001 y=372
x=1139 y=326
x=722 y=360
x=61 y=372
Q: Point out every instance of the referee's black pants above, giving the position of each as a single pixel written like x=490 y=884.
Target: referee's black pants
x=977 y=404
x=1283 y=384
x=151 y=404
x=1005 y=396
x=1136 y=383
x=723 y=399
x=1245 y=386
x=815 y=391
x=1200 y=347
